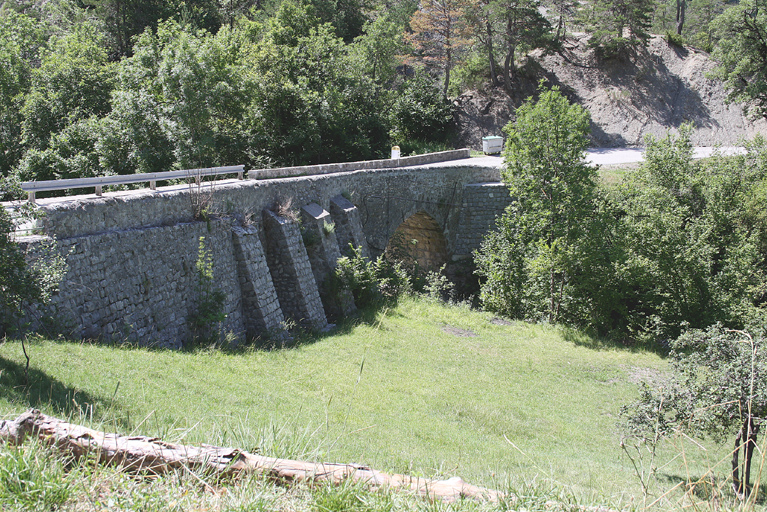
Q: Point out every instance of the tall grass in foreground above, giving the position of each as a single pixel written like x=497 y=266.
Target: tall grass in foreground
x=423 y=389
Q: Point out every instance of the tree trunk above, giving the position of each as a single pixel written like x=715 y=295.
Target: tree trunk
x=508 y=68
x=140 y=453
x=745 y=440
x=681 y=7
x=748 y=453
x=490 y=55
x=736 y=483
x=448 y=65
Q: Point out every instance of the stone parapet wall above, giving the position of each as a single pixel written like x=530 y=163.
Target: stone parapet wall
x=389 y=163
x=141 y=285
x=383 y=198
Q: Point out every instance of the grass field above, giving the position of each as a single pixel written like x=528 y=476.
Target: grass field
x=423 y=388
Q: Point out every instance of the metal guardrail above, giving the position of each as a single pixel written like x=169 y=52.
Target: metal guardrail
x=31 y=187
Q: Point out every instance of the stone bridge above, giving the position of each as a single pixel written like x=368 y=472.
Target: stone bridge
x=132 y=256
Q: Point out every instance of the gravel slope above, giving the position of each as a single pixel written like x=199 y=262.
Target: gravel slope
x=650 y=93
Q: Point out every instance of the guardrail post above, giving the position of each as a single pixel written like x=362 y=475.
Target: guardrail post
x=241 y=175
x=98 y=190
x=31 y=196
x=153 y=185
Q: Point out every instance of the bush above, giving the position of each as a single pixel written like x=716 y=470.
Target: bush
x=370 y=281
x=420 y=114
x=674 y=39
x=717 y=388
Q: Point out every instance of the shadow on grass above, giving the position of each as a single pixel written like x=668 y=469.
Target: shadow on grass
x=39 y=390
x=299 y=336
x=709 y=488
x=582 y=338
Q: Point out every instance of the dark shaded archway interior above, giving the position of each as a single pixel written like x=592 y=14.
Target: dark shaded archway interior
x=419 y=240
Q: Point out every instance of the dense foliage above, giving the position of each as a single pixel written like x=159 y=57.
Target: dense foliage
x=149 y=86
x=717 y=389
x=680 y=242
x=115 y=87
x=742 y=52
x=16 y=283
x=532 y=262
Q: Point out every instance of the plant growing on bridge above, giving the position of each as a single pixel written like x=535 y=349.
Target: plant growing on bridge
x=210 y=301
x=369 y=281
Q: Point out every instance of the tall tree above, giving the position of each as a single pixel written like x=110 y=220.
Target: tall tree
x=741 y=52
x=531 y=265
x=478 y=18
x=681 y=10
x=620 y=22
x=74 y=81
x=521 y=27
x=563 y=11
x=439 y=33
x=21 y=39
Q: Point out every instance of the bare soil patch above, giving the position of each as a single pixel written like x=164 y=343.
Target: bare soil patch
x=456 y=331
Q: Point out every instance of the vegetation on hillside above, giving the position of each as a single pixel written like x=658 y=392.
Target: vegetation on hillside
x=678 y=243
x=115 y=87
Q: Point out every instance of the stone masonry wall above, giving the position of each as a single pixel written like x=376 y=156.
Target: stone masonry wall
x=482 y=204
x=348 y=225
x=322 y=247
x=131 y=255
x=141 y=284
x=292 y=273
x=419 y=240
x=260 y=308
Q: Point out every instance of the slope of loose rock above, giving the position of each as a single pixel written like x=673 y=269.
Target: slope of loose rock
x=649 y=93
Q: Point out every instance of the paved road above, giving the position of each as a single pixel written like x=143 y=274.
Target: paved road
x=599 y=156
x=608 y=156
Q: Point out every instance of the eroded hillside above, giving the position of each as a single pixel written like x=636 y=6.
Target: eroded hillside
x=659 y=88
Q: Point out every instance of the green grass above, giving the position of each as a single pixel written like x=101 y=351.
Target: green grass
x=424 y=389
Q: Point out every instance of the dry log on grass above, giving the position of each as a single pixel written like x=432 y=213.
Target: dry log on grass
x=141 y=453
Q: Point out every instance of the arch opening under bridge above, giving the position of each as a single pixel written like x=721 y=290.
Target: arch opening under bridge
x=419 y=240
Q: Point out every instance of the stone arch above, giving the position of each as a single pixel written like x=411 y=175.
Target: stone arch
x=419 y=240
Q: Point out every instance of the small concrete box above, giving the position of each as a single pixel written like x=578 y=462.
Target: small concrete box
x=492 y=145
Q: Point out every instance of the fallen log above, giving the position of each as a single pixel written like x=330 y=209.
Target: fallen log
x=142 y=453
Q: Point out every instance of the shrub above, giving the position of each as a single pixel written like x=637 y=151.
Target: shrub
x=370 y=281
x=674 y=39
x=210 y=301
x=717 y=388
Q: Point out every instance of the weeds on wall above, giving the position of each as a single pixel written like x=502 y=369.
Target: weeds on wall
x=206 y=321
x=285 y=208
x=201 y=199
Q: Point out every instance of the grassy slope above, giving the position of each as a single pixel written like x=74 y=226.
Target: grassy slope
x=400 y=394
